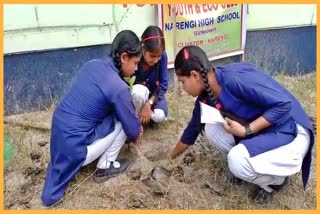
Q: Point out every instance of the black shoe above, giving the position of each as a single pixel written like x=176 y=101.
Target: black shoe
x=280 y=187
x=152 y=124
x=261 y=196
x=102 y=175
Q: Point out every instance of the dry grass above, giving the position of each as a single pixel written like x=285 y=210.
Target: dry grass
x=185 y=187
x=303 y=87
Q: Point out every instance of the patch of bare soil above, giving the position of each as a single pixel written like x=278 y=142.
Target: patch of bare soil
x=195 y=180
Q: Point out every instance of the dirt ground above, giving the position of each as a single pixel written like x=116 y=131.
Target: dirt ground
x=195 y=180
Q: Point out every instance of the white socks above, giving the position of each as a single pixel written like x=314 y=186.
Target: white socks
x=116 y=164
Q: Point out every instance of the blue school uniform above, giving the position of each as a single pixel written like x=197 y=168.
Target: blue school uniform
x=149 y=78
x=248 y=93
x=86 y=113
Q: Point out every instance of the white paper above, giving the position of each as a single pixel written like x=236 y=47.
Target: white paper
x=210 y=114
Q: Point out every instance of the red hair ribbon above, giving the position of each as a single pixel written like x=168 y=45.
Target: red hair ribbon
x=185 y=53
x=153 y=37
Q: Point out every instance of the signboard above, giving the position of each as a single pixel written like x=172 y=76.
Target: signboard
x=218 y=29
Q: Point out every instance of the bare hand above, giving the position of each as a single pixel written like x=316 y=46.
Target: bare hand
x=178 y=149
x=234 y=128
x=145 y=113
x=172 y=155
x=139 y=139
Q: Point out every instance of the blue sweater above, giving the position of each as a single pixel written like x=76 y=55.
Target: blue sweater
x=86 y=113
x=148 y=78
x=248 y=93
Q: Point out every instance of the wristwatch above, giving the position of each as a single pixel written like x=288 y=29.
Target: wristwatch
x=249 y=132
x=150 y=102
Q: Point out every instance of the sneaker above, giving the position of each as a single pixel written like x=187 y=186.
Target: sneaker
x=261 y=196
x=116 y=168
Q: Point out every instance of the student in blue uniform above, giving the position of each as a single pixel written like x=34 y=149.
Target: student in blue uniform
x=151 y=78
x=94 y=119
x=267 y=135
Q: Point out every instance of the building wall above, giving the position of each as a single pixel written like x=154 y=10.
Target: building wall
x=275 y=16
x=281 y=37
x=39 y=27
x=288 y=50
x=33 y=81
x=42 y=56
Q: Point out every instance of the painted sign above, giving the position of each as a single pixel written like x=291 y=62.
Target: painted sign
x=217 y=28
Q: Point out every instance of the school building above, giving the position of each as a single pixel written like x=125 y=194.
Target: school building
x=45 y=45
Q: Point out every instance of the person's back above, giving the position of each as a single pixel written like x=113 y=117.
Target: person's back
x=89 y=100
x=94 y=119
x=265 y=133
x=248 y=73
